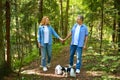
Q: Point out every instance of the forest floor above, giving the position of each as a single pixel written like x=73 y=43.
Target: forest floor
x=34 y=72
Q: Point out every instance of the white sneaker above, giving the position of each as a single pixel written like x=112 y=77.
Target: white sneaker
x=77 y=71
x=48 y=65
x=45 y=69
x=70 y=66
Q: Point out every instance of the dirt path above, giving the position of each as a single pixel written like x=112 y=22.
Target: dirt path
x=35 y=72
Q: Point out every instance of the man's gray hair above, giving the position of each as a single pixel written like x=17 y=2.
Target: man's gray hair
x=81 y=17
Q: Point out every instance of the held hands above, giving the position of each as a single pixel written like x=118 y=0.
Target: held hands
x=62 y=40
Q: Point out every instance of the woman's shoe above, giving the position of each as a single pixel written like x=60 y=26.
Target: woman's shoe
x=48 y=65
x=45 y=69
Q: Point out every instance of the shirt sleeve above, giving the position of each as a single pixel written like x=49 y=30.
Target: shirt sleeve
x=39 y=34
x=54 y=33
x=86 y=32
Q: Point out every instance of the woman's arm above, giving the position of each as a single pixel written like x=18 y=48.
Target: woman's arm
x=56 y=35
x=39 y=38
x=69 y=34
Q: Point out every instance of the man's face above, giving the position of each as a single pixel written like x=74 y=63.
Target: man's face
x=79 y=21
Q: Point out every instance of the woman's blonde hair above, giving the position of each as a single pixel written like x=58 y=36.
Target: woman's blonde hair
x=43 y=21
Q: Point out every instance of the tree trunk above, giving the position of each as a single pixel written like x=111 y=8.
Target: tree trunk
x=36 y=34
x=114 y=29
x=91 y=30
x=66 y=18
x=114 y=25
x=40 y=10
x=91 y=24
x=29 y=31
x=119 y=29
x=40 y=16
x=117 y=2
x=102 y=18
x=61 y=20
x=2 y=50
x=8 y=34
x=17 y=29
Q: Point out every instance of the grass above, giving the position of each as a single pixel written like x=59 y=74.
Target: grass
x=26 y=59
x=57 y=48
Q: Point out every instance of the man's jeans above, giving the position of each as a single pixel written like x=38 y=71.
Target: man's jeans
x=46 y=50
x=78 y=50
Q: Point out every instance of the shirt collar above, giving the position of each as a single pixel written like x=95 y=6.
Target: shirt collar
x=79 y=25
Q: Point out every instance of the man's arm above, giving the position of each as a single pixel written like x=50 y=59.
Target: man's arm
x=68 y=36
x=85 y=43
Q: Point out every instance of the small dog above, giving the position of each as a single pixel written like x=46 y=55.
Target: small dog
x=60 y=70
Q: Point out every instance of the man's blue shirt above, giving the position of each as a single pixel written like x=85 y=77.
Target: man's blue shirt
x=82 y=34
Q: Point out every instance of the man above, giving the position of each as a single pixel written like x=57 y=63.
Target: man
x=79 y=35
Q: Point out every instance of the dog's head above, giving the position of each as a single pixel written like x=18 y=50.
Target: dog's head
x=58 y=69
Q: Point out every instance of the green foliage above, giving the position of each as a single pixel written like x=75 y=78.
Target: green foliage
x=51 y=9
x=26 y=59
x=111 y=63
x=57 y=48
x=108 y=62
x=32 y=56
x=107 y=67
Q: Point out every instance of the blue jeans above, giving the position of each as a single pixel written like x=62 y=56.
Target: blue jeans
x=78 y=50
x=46 y=51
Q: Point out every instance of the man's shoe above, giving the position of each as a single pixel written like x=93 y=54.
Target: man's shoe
x=70 y=66
x=77 y=71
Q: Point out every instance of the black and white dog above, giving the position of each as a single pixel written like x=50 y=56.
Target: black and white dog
x=60 y=70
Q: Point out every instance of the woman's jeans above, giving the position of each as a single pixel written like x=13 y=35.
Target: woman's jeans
x=78 y=50
x=46 y=51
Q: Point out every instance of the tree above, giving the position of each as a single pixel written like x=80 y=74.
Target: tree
x=102 y=18
x=8 y=34
x=61 y=14
x=17 y=28
x=40 y=17
x=2 y=50
x=40 y=10
x=116 y=5
x=118 y=8
x=114 y=25
x=66 y=18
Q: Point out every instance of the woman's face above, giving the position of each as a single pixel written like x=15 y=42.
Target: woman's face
x=47 y=21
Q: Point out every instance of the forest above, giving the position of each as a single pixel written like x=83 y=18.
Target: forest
x=19 y=52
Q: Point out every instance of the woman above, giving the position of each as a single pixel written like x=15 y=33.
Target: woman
x=45 y=33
